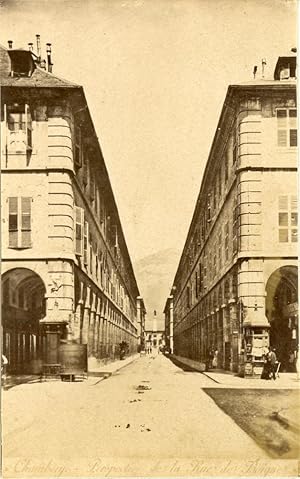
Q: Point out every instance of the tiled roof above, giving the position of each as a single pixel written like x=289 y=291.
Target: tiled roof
x=39 y=78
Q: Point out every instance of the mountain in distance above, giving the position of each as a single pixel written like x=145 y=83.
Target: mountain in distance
x=155 y=274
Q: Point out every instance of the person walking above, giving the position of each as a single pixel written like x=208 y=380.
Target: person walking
x=272 y=360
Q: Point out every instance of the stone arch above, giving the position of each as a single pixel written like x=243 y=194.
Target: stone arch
x=23 y=306
x=282 y=312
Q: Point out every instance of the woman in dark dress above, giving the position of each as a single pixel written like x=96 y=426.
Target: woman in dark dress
x=266 y=372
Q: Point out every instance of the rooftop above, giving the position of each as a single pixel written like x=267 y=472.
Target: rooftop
x=39 y=78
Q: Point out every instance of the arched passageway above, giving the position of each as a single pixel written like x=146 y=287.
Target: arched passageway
x=282 y=312
x=23 y=305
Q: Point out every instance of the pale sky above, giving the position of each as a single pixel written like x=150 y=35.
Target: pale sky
x=155 y=73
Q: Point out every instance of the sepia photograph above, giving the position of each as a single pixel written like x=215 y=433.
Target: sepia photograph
x=149 y=239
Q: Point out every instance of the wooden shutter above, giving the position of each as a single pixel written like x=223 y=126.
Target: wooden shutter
x=13 y=222
x=28 y=128
x=281 y=127
x=293 y=137
x=294 y=203
x=79 y=221
x=283 y=202
x=85 y=242
x=4 y=148
x=25 y=222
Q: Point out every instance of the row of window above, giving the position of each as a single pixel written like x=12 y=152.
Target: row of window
x=96 y=261
x=209 y=266
x=286 y=137
x=20 y=236
x=286 y=127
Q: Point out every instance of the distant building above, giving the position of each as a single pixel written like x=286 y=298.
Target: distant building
x=66 y=270
x=169 y=324
x=235 y=289
x=154 y=333
x=141 y=318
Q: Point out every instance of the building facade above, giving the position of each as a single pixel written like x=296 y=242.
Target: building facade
x=235 y=290
x=154 y=334
x=66 y=271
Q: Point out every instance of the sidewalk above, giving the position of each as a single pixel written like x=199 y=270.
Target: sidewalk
x=106 y=370
x=95 y=374
x=228 y=379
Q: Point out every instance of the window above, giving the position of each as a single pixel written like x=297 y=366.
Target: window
x=19 y=126
x=220 y=248
x=287 y=219
x=214 y=198
x=200 y=278
x=286 y=127
x=91 y=252
x=92 y=185
x=196 y=285
x=19 y=222
x=235 y=229
x=209 y=209
x=226 y=235
x=188 y=297
x=77 y=147
x=79 y=226
x=97 y=263
x=85 y=242
x=234 y=144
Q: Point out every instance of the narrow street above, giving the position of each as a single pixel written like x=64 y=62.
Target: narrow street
x=151 y=410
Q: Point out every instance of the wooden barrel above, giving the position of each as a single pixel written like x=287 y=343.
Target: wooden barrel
x=73 y=358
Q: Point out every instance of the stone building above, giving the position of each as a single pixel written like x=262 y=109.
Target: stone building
x=235 y=289
x=154 y=333
x=66 y=270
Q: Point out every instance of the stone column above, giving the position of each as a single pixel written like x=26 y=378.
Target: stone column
x=235 y=337
x=171 y=325
x=97 y=331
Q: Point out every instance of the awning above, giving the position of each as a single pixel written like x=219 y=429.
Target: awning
x=255 y=318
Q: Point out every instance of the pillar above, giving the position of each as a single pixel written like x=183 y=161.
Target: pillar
x=171 y=325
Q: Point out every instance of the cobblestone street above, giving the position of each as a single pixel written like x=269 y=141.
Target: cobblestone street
x=149 y=411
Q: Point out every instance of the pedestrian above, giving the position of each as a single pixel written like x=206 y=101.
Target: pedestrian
x=210 y=358
x=215 y=359
x=292 y=360
x=273 y=362
x=4 y=363
x=266 y=368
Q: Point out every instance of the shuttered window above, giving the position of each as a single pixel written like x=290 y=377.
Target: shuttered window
x=226 y=242
x=79 y=222
x=19 y=222
x=287 y=219
x=286 y=127
x=19 y=125
x=85 y=242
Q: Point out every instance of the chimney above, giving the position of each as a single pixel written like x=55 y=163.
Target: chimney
x=263 y=64
x=30 y=47
x=38 y=48
x=10 y=43
x=50 y=64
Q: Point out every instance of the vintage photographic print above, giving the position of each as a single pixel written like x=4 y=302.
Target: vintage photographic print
x=149 y=219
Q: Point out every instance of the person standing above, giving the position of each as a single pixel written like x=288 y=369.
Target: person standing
x=272 y=361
